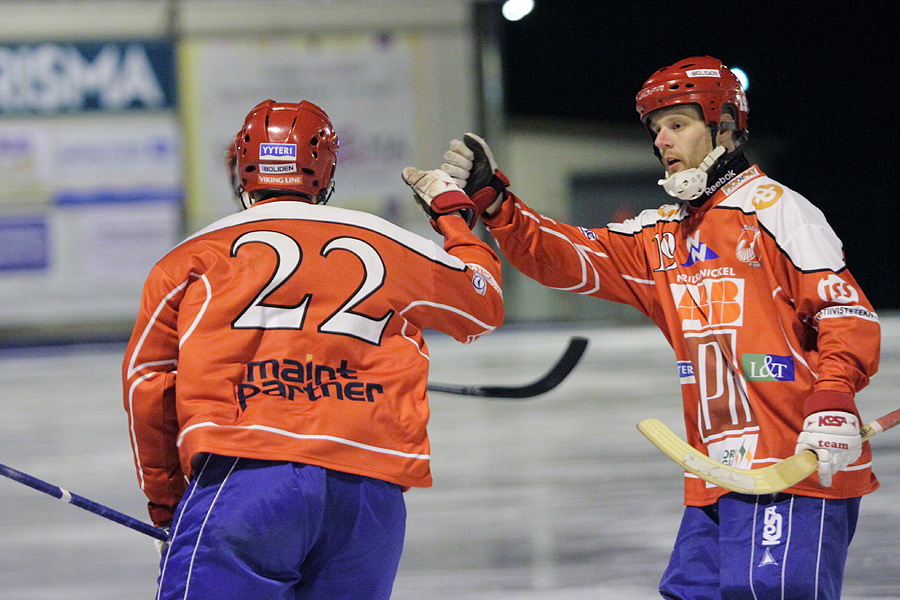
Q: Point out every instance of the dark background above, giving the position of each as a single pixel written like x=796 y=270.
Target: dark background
x=822 y=89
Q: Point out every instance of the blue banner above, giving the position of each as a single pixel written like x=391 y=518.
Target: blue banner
x=72 y=77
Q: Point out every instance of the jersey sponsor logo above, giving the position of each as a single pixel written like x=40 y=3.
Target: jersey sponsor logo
x=766 y=195
x=835 y=289
x=720 y=182
x=715 y=273
x=281 y=180
x=479 y=284
x=278 y=151
x=588 y=234
x=709 y=303
x=740 y=179
x=858 y=312
x=276 y=169
x=737 y=452
x=698 y=252
x=686 y=372
x=667 y=211
x=703 y=73
x=767 y=367
x=748 y=245
x=484 y=279
x=292 y=380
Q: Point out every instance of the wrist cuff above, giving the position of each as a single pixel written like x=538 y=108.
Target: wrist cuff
x=821 y=400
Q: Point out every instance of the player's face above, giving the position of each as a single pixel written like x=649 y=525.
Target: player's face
x=682 y=137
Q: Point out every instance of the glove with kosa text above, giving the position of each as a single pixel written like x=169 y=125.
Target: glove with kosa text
x=834 y=436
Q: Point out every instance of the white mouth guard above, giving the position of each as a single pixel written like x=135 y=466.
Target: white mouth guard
x=689 y=184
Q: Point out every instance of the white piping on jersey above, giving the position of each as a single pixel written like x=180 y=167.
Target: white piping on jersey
x=583 y=250
x=787 y=341
x=200 y=313
x=304 y=436
x=134 y=443
x=300 y=211
x=487 y=328
x=132 y=369
x=636 y=280
x=412 y=341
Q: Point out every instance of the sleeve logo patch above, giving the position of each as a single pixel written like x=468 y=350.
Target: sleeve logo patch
x=835 y=289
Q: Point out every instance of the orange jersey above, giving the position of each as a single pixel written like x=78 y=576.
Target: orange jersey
x=293 y=332
x=754 y=296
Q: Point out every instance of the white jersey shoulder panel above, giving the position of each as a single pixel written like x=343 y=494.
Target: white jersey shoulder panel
x=648 y=218
x=302 y=211
x=799 y=227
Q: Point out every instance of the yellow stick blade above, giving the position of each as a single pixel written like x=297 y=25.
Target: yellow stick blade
x=767 y=480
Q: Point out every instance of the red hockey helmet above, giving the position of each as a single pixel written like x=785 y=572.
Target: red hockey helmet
x=286 y=147
x=700 y=80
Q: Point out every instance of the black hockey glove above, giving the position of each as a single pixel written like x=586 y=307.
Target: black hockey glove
x=471 y=165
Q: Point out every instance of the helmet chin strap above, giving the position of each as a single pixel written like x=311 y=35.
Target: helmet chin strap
x=690 y=184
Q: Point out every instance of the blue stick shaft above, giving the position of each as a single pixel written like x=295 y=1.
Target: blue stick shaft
x=82 y=502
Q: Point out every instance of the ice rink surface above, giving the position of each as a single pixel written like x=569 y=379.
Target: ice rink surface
x=554 y=498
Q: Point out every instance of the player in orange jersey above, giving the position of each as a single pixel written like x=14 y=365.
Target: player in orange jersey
x=772 y=335
x=275 y=382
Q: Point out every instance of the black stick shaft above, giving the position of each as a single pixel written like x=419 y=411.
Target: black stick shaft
x=550 y=380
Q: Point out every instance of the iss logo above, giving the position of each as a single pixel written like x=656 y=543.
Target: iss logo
x=835 y=289
x=278 y=152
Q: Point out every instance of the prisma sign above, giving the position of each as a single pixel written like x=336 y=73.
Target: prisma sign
x=55 y=77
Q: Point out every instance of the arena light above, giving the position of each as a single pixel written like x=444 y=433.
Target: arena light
x=742 y=77
x=513 y=10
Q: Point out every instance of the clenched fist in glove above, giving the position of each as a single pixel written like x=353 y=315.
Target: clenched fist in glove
x=834 y=436
x=471 y=164
x=438 y=195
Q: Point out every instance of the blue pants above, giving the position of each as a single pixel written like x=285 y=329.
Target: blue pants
x=287 y=531
x=760 y=548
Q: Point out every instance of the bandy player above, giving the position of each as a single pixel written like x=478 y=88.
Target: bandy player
x=275 y=382
x=772 y=335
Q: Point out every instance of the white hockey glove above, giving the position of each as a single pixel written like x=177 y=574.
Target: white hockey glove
x=471 y=164
x=438 y=195
x=834 y=436
x=162 y=546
